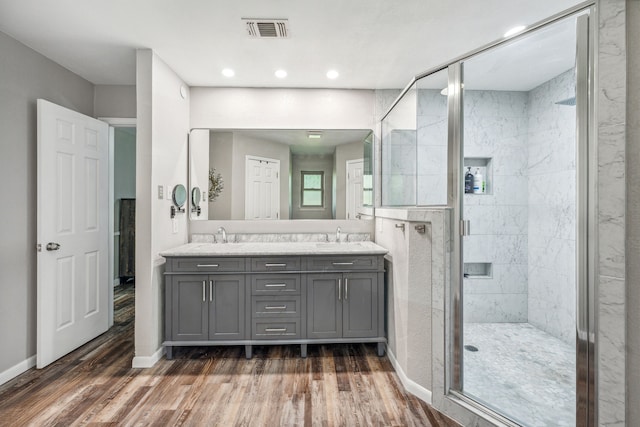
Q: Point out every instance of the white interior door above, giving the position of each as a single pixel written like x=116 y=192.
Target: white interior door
x=355 y=170
x=262 y=188
x=73 y=231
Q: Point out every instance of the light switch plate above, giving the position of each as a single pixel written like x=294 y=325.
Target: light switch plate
x=160 y=192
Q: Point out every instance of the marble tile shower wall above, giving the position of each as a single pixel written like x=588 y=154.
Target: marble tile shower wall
x=552 y=205
x=431 y=153
x=495 y=127
x=399 y=168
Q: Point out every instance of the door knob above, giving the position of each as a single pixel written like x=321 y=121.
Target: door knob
x=51 y=246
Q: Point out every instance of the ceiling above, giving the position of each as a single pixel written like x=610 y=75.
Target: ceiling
x=373 y=44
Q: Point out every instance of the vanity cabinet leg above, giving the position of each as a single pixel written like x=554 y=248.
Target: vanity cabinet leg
x=303 y=350
x=247 y=351
x=168 y=352
x=381 y=348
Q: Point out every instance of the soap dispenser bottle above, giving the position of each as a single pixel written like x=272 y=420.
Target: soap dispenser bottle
x=478 y=182
x=468 y=181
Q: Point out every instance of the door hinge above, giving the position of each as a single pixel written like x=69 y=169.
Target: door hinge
x=39 y=247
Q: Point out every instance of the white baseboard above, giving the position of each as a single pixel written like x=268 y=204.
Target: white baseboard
x=411 y=386
x=147 y=361
x=18 y=369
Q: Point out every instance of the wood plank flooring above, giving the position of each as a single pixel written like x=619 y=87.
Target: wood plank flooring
x=341 y=385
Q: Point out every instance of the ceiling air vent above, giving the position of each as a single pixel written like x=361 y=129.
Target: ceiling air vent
x=267 y=28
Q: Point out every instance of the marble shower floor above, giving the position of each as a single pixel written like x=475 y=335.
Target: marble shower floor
x=521 y=372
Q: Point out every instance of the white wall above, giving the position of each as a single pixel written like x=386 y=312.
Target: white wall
x=25 y=76
x=246 y=108
x=163 y=127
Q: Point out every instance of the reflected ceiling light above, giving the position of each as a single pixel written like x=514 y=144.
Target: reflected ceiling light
x=332 y=74
x=514 y=30
x=228 y=72
x=281 y=74
x=314 y=134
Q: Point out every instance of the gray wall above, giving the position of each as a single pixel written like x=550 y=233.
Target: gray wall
x=114 y=101
x=221 y=158
x=301 y=163
x=24 y=77
x=124 y=179
x=633 y=212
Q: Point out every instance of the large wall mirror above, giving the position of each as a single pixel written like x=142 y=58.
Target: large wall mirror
x=280 y=174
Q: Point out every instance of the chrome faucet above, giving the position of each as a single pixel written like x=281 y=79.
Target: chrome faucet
x=338 y=235
x=224 y=234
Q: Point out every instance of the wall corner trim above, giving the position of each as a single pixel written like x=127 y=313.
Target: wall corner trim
x=147 y=361
x=17 y=369
x=410 y=385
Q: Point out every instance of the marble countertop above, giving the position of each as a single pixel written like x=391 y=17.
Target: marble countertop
x=268 y=249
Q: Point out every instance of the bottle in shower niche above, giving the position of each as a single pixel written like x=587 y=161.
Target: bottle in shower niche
x=468 y=181
x=478 y=182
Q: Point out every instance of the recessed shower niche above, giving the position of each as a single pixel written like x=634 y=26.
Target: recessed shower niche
x=482 y=170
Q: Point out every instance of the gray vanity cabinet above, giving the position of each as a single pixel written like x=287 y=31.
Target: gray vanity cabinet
x=279 y=299
x=207 y=307
x=342 y=305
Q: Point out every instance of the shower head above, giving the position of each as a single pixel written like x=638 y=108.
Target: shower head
x=568 y=101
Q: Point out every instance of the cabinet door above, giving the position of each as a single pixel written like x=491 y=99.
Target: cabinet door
x=227 y=307
x=189 y=308
x=324 y=309
x=360 y=305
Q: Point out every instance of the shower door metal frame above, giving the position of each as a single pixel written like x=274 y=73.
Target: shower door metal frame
x=586 y=244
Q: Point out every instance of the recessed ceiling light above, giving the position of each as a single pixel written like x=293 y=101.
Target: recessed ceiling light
x=314 y=135
x=281 y=74
x=332 y=74
x=228 y=72
x=514 y=30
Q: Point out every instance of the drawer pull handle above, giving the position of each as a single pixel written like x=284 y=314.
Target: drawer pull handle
x=268 y=264
x=275 y=330
x=342 y=263
x=210 y=290
x=275 y=307
x=275 y=285
x=346 y=289
x=207 y=265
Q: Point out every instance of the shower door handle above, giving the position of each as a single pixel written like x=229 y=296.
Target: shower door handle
x=465 y=227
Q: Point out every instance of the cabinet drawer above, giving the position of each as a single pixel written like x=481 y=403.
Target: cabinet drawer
x=275 y=264
x=343 y=263
x=267 y=306
x=274 y=329
x=196 y=265
x=272 y=284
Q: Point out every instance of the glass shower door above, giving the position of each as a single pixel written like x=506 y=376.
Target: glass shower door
x=517 y=352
